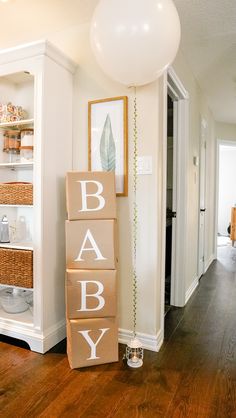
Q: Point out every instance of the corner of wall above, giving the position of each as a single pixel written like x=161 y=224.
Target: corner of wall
x=149 y=341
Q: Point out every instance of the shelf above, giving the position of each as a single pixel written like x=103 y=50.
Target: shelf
x=18 y=245
x=16 y=206
x=17 y=123
x=13 y=287
x=25 y=318
x=13 y=166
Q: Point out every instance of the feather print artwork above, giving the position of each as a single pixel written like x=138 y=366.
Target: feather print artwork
x=107 y=147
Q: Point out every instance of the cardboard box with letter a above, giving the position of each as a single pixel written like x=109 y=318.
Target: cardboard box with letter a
x=91 y=244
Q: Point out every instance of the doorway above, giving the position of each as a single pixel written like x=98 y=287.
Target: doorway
x=170 y=202
x=226 y=199
x=174 y=207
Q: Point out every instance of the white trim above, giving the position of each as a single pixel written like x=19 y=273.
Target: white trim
x=37 y=341
x=191 y=289
x=163 y=142
x=54 y=335
x=179 y=255
x=33 y=49
x=208 y=263
x=149 y=341
x=216 y=194
x=177 y=85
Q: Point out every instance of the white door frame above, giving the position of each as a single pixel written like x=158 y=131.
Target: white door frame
x=202 y=195
x=181 y=97
x=219 y=142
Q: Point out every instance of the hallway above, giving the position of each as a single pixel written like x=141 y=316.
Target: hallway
x=194 y=374
x=204 y=343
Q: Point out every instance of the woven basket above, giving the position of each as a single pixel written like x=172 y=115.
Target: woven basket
x=16 y=267
x=16 y=194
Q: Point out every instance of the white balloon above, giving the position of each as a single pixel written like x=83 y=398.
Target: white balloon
x=134 y=41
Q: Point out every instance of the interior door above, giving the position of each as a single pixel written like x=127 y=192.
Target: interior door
x=202 y=200
x=174 y=199
x=170 y=203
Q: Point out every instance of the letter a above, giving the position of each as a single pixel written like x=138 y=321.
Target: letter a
x=94 y=247
x=91 y=343
x=97 y=195
x=97 y=295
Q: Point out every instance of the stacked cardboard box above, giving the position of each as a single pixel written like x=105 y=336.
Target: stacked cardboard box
x=91 y=278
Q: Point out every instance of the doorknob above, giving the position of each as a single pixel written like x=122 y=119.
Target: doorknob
x=203 y=210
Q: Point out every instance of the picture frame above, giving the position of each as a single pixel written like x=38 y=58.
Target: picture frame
x=108 y=139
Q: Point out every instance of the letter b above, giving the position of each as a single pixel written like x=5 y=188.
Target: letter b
x=97 y=195
x=97 y=295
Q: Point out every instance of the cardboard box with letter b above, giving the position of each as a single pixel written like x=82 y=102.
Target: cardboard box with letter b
x=90 y=195
x=91 y=293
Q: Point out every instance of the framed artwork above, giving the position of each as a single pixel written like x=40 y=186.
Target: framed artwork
x=108 y=139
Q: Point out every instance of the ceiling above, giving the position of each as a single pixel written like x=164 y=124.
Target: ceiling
x=208 y=38
x=209 y=45
x=28 y=20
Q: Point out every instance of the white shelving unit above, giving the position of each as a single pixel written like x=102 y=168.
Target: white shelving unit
x=29 y=77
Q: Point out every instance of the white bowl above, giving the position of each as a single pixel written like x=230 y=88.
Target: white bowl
x=13 y=301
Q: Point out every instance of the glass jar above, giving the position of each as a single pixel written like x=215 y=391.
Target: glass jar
x=27 y=144
x=14 y=141
x=5 y=142
x=27 y=137
x=13 y=145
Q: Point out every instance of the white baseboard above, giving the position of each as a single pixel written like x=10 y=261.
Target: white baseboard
x=149 y=342
x=54 y=335
x=191 y=289
x=37 y=341
x=209 y=261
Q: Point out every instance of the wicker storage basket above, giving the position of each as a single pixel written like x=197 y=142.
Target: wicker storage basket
x=16 y=267
x=16 y=194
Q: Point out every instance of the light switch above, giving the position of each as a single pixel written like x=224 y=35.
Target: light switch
x=145 y=165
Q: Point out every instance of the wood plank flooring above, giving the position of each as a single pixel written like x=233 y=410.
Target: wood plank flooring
x=193 y=375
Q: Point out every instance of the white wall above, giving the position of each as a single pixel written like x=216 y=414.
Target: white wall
x=226 y=131
x=227 y=189
x=210 y=220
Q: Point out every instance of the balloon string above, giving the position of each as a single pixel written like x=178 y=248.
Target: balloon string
x=135 y=211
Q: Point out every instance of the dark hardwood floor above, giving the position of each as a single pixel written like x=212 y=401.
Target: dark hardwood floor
x=193 y=375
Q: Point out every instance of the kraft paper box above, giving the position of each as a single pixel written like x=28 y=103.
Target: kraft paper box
x=91 y=245
x=90 y=195
x=91 y=293
x=92 y=341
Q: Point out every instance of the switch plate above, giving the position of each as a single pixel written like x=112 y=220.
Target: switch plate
x=145 y=165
